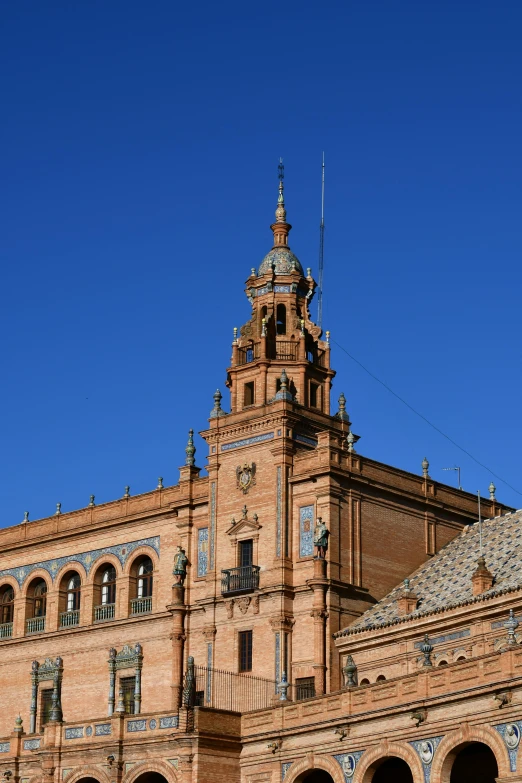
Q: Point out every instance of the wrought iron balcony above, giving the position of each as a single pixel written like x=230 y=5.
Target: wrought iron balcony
x=6 y=630
x=239 y=580
x=141 y=605
x=69 y=618
x=104 y=612
x=35 y=625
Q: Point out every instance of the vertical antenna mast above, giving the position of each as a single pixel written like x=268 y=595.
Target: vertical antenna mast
x=321 y=256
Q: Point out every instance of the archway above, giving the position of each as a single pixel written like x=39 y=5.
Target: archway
x=393 y=769
x=315 y=776
x=474 y=763
x=151 y=777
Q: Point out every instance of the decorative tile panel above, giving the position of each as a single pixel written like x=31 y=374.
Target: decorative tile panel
x=174 y=762
x=279 y=509
x=449 y=637
x=306 y=531
x=305 y=439
x=32 y=744
x=426 y=750
x=102 y=729
x=212 y=522
x=65 y=772
x=5 y=747
x=88 y=731
x=136 y=725
x=153 y=724
x=284 y=768
x=348 y=763
x=510 y=733
x=236 y=444
x=121 y=551
x=76 y=732
x=282 y=289
x=169 y=722
x=277 y=658
x=208 y=687
x=202 y=551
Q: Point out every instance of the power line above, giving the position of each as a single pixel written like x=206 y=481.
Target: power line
x=321 y=256
x=416 y=412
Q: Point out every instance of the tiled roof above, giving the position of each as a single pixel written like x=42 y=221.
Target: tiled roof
x=445 y=580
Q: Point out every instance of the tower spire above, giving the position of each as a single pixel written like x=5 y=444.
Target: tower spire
x=281 y=228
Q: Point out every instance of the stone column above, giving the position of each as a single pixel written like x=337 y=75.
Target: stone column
x=137 y=680
x=319 y=584
x=34 y=697
x=178 y=611
x=112 y=681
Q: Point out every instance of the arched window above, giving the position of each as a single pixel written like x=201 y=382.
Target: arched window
x=381 y=678
x=39 y=599
x=145 y=578
x=366 y=681
x=281 y=319
x=6 y=606
x=74 y=585
x=442 y=663
x=108 y=591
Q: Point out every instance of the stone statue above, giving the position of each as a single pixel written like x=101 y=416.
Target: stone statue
x=321 y=534
x=180 y=566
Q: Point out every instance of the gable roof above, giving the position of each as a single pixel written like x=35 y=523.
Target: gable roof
x=444 y=581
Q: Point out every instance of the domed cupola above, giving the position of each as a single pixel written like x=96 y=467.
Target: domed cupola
x=281 y=259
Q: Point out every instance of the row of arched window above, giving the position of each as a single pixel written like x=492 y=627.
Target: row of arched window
x=70 y=598
x=382 y=678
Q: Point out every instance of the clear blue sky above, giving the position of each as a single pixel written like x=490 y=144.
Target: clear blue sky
x=139 y=158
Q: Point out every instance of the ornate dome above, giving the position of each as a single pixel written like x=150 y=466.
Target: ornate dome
x=283 y=261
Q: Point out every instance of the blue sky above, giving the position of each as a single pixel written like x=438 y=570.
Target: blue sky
x=139 y=178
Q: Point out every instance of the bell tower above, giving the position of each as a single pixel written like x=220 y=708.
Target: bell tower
x=279 y=353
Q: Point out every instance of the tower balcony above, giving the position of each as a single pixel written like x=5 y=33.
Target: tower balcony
x=281 y=350
x=239 y=580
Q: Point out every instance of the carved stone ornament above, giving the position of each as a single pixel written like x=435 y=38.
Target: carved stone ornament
x=246 y=476
x=243 y=604
x=229 y=606
x=426 y=752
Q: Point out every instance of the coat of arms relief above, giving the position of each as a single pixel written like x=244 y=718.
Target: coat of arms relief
x=246 y=476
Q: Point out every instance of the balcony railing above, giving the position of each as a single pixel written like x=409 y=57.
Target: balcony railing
x=141 y=605
x=67 y=619
x=104 y=612
x=35 y=625
x=248 y=354
x=240 y=580
x=6 y=630
x=286 y=350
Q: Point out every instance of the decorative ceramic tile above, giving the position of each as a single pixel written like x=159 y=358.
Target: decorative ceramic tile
x=169 y=722
x=284 y=768
x=87 y=559
x=153 y=724
x=74 y=733
x=32 y=744
x=426 y=750
x=202 y=551
x=212 y=521
x=65 y=772
x=136 y=725
x=305 y=439
x=510 y=733
x=277 y=658
x=348 y=763
x=449 y=637
x=306 y=531
x=236 y=444
x=88 y=731
x=102 y=729
x=279 y=509
x=5 y=747
x=208 y=688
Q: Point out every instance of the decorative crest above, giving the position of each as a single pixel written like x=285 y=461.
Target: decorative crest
x=246 y=476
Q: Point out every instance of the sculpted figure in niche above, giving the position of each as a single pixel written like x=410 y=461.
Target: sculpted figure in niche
x=180 y=566
x=321 y=534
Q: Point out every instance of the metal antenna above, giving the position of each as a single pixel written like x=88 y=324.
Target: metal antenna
x=480 y=523
x=321 y=256
x=458 y=472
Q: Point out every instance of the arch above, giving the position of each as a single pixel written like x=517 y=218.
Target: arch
x=372 y=759
x=442 y=663
x=37 y=592
x=142 y=767
x=73 y=565
x=11 y=581
x=381 y=678
x=365 y=681
x=298 y=769
x=83 y=773
x=38 y=573
x=138 y=552
x=455 y=741
x=7 y=603
x=99 y=562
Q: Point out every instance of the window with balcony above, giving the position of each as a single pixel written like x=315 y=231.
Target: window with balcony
x=105 y=593
x=70 y=598
x=6 y=611
x=37 y=606
x=245 y=651
x=244 y=578
x=141 y=584
x=246 y=553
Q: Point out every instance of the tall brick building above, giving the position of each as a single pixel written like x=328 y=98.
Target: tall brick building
x=95 y=639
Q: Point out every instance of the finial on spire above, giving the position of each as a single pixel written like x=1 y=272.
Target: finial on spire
x=350 y=439
x=190 y=450
x=284 y=393
x=492 y=489
x=280 y=212
x=217 y=409
x=341 y=413
x=58 y=510
x=425 y=465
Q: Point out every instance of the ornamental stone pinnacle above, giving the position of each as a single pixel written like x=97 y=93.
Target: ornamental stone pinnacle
x=217 y=409
x=425 y=467
x=190 y=450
